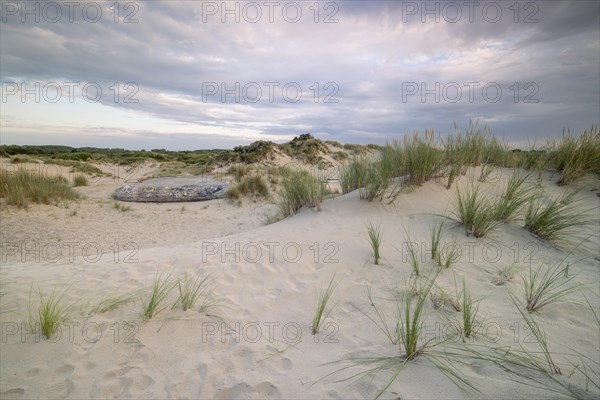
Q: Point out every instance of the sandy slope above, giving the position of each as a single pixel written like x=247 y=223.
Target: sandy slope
x=267 y=279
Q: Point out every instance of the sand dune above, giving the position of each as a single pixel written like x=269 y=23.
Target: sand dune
x=258 y=344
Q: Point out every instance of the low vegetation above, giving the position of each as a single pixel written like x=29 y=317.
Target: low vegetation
x=21 y=188
x=320 y=314
x=375 y=235
x=300 y=189
x=555 y=219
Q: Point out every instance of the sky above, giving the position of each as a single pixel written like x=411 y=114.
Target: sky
x=185 y=75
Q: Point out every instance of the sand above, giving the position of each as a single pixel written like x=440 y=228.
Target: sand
x=258 y=344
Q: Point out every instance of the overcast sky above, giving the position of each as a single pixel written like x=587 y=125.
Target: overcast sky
x=187 y=75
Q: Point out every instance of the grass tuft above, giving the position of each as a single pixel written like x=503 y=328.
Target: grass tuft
x=191 y=289
x=544 y=287
x=21 y=188
x=469 y=307
x=375 y=236
x=555 y=220
x=50 y=313
x=322 y=300
x=161 y=288
x=80 y=180
x=300 y=189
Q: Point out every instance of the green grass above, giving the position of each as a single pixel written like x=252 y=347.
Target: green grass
x=375 y=236
x=505 y=274
x=20 y=158
x=374 y=182
x=300 y=189
x=366 y=174
x=191 y=289
x=161 y=288
x=449 y=255
x=254 y=185
x=475 y=212
x=51 y=312
x=436 y=236
x=413 y=253
x=122 y=207
x=320 y=315
x=422 y=160
x=547 y=285
x=470 y=307
x=114 y=302
x=514 y=197
x=540 y=337
x=407 y=334
x=411 y=311
x=351 y=174
x=80 y=180
x=391 y=332
x=576 y=156
x=455 y=157
x=22 y=188
x=555 y=220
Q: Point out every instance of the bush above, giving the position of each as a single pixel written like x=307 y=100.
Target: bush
x=80 y=180
x=253 y=185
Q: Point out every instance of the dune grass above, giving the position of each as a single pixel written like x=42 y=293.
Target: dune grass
x=21 y=188
x=556 y=219
x=455 y=157
x=470 y=307
x=254 y=185
x=121 y=207
x=51 y=312
x=514 y=197
x=575 y=156
x=422 y=159
x=411 y=311
x=475 y=212
x=80 y=180
x=193 y=288
x=300 y=189
x=375 y=181
x=413 y=253
x=375 y=236
x=390 y=331
x=545 y=287
x=366 y=174
x=161 y=288
x=505 y=274
x=352 y=174
x=436 y=235
x=324 y=296
x=449 y=255
x=114 y=302
x=406 y=334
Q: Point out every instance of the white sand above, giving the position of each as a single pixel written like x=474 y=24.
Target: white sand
x=268 y=299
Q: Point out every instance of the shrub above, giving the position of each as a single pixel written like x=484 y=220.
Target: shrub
x=80 y=180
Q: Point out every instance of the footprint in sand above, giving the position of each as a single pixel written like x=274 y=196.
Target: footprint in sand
x=61 y=384
x=264 y=390
x=31 y=373
x=16 y=393
x=191 y=383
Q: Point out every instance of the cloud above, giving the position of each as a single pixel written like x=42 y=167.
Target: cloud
x=179 y=52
